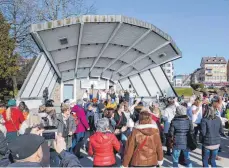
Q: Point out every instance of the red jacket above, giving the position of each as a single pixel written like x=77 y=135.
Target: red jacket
x=17 y=119
x=101 y=146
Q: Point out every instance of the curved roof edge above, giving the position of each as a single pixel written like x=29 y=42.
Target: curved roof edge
x=103 y=18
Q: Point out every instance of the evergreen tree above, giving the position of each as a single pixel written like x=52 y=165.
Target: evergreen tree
x=8 y=60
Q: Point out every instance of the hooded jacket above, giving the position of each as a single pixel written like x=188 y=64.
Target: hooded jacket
x=82 y=119
x=101 y=146
x=151 y=154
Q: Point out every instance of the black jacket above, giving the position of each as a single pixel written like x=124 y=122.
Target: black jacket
x=3 y=144
x=179 y=128
x=211 y=130
x=67 y=160
x=121 y=121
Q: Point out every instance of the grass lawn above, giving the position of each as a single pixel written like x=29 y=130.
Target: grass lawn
x=184 y=91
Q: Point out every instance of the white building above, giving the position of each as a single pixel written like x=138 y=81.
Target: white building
x=169 y=70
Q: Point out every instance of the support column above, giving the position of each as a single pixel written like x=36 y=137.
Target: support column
x=107 y=84
x=61 y=91
x=75 y=85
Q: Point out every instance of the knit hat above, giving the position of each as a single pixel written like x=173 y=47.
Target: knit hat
x=11 y=103
x=102 y=125
x=181 y=110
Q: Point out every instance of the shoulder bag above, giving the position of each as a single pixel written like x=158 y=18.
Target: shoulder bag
x=191 y=141
x=139 y=147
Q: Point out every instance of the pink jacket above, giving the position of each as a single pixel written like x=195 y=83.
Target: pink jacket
x=83 y=123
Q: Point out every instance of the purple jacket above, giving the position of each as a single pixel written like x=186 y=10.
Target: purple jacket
x=83 y=123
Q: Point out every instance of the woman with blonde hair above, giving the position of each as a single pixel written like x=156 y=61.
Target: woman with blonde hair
x=143 y=147
x=14 y=118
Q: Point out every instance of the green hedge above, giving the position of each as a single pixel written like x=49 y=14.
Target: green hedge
x=184 y=91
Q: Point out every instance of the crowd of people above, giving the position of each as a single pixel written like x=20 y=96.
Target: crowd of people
x=111 y=124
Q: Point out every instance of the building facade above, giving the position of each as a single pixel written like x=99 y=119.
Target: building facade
x=169 y=71
x=213 y=71
x=181 y=80
x=195 y=77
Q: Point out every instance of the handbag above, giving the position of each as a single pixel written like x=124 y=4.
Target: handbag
x=227 y=124
x=191 y=141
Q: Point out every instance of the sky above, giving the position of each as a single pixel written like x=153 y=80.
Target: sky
x=199 y=27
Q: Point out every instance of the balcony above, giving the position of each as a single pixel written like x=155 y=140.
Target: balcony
x=209 y=74
x=208 y=68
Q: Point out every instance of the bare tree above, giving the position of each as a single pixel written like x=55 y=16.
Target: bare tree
x=58 y=9
x=22 y=13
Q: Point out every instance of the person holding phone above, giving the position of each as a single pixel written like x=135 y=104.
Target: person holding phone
x=24 y=155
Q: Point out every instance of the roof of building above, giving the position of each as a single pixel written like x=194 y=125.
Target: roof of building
x=108 y=46
x=214 y=60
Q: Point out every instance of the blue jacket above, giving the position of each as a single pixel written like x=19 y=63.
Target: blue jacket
x=179 y=128
x=211 y=130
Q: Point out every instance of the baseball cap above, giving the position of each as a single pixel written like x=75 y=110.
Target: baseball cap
x=25 y=146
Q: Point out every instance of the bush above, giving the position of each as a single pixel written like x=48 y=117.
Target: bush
x=197 y=85
x=204 y=90
x=216 y=90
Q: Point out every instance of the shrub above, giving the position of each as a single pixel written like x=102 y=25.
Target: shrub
x=197 y=85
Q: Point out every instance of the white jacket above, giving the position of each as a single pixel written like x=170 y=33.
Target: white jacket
x=167 y=116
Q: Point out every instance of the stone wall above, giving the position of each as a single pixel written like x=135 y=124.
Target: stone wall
x=55 y=95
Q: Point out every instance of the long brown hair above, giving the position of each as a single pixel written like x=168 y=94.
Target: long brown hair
x=145 y=117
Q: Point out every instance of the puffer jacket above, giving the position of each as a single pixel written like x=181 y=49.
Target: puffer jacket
x=101 y=146
x=151 y=154
x=179 y=128
x=211 y=131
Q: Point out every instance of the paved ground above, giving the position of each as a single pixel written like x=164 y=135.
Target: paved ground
x=196 y=157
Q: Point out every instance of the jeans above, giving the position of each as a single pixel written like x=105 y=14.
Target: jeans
x=11 y=136
x=77 y=143
x=206 y=154
x=176 y=155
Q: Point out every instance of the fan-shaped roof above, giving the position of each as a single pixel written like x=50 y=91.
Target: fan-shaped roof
x=107 y=46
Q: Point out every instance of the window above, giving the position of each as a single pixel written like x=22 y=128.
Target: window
x=168 y=65
x=168 y=71
x=68 y=91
